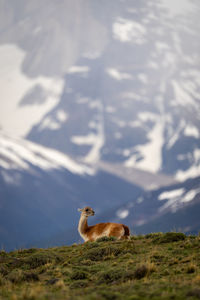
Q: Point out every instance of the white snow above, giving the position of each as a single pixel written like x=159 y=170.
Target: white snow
x=95 y=140
x=15 y=119
x=175 y=134
x=78 y=69
x=171 y=194
x=117 y=135
x=82 y=100
x=89 y=139
x=13 y=179
x=189 y=196
x=94 y=154
x=128 y=30
x=193 y=171
x=114 y=73
x=49 y=123
x=54 y=124
x=176 y=198
x=147 y=116
x=22 y=154
x=149 y=156
x=143 y=78
x=182 y=96
x=62 y=116
x=191 y=130
x=110 y=109
x=122 y=213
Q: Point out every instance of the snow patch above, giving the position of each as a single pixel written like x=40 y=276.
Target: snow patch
x=171 y=194
x=176 y=198
x=110 y=109
x=191 y=130
x=190 y=195
x=193 y=171
x=62 y=116
x=95 y=140
x=17 y=119
x=143 y=78
x=22 y=154
x=114 y=73
x=78 y=69
x=54 y=124
x=182 y=96
x=127 y=30
x=149 y=156
x=89 y=139
x=175 y=134
x=122 y=213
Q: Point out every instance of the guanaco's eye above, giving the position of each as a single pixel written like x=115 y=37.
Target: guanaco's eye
x=86 y=209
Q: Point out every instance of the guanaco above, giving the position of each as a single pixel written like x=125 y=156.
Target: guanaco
x=92 y=233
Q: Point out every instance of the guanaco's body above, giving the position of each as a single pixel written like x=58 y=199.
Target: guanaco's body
x=92 y=233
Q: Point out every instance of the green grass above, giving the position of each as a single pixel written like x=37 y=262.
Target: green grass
x=153 y=266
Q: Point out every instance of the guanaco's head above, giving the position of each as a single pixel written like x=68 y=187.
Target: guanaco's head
x=87 y=211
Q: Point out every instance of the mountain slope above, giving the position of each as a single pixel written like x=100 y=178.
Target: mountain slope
x=41 y=189
x=176 y=207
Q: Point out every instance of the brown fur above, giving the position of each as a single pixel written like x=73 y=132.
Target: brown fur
x=92 y=233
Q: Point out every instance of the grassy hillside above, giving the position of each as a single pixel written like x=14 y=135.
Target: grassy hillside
x=153 y=266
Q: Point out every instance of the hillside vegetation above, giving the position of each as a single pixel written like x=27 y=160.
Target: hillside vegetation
x=153 y=266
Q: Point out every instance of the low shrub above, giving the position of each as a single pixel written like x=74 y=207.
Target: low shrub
x=170 y=237
x=153 y=235
x=191 y=269
x=106 y=239
x=194 y=293
x=78 y=274
x=140 y=272
x=4 y=270
x=40 y=259
x=101 y=253
x=2 y=280
x=30 y=276
x=111 y=275
x=16 y=276
x=79 y=284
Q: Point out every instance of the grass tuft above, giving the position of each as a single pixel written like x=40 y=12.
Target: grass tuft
x=191 y=268
x=141 y=272
x=169 y=237
x=79 y=284
x=194 y=293
x=78 y=274
x=102 y=253
x=106 y=239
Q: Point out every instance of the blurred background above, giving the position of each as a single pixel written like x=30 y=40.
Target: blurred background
x=99 y=106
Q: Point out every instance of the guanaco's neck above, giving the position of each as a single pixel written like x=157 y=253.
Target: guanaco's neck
x=83 y=225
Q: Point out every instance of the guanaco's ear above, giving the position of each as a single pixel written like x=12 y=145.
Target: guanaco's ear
x=79 y=209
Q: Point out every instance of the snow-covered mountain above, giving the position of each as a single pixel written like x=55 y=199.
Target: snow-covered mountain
x=129 y=94
x=41 y=189
x=114 y=81
x=176 y=207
